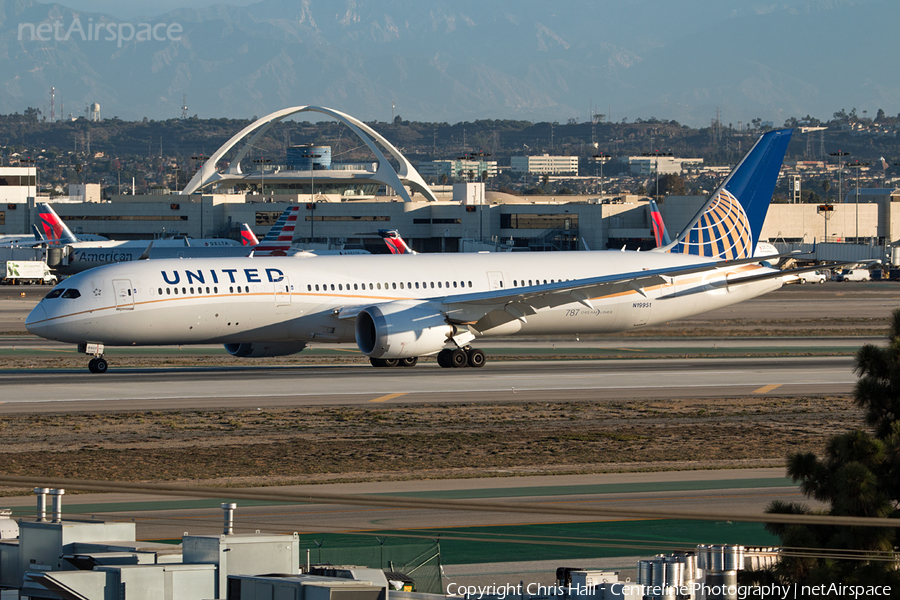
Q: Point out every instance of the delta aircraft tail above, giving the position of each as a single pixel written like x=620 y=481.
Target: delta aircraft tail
x=659 y=228
x=394 y=242
x=729 y=223
x=55 y=232
x=248 y=238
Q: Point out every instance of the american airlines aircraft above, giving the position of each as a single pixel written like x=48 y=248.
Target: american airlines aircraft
x=398 y=308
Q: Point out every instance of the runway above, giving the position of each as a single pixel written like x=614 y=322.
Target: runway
x=255 y=387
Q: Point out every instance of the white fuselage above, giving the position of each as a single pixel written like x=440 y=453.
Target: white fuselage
x=233 y=300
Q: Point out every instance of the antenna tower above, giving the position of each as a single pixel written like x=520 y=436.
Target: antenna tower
x=184 y=107
x=52 y=104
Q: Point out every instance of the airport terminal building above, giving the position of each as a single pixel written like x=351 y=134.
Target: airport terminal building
x=346 y=204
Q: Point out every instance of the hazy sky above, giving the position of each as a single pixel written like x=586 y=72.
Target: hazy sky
x=134 y=8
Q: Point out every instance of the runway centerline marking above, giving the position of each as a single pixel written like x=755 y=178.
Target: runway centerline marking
x=767 y=388
x=388 y=397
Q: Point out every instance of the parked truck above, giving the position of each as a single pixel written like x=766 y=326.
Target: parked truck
x=36 y=272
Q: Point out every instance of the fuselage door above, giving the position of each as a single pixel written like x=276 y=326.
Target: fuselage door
x=124 y=294
x=495 y=280
x=282 y=292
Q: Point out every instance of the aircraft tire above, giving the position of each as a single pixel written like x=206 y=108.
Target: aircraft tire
x=443 y=358
x=409 y=362
x=98 y=365
x=458 y=358
x=476 y=358
x=390 y=362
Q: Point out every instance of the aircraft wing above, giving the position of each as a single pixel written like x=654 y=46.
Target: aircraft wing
x=580 y=290
x=521 y=301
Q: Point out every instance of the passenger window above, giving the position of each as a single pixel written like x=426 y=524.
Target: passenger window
x=341 y=287
x=432 y=285
x=332 y=287
x=454 y=284
x=129 y=291
x=355 y=286
x=168 y=291
x=394 y=285
x=184 y=290
x=207 y=290
x=401 y=285
x=230 y=289
x=308 y=287
x=470 y=284
x=175 y=291
x=216 y=290
x=160 y=291
x=71 y=293
x=447 y=284
x=55 y=293
x=247 y=288
x=379 y=286
x=317 y=287
x=417 y=285
x=192 y=290
x=439 y=284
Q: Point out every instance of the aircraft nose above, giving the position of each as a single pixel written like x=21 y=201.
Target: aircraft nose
x=36 y=319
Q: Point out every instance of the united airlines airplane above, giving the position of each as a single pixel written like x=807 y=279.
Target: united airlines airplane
x=399 y=308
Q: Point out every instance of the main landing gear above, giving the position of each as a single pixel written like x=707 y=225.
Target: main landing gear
x=394 y=362
x=457 y=358
x=461 y=357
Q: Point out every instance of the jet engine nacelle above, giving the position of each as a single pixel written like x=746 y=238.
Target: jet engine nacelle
x=401 y=330
x=261 y=349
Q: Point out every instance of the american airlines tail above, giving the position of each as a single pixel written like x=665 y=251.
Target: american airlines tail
x=394 y=242
x=729 y=223
x=55 y=231
x=248 y=238
x=659 y=228
x=278 y=240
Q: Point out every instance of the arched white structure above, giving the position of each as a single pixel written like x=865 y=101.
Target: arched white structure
x=398 y=180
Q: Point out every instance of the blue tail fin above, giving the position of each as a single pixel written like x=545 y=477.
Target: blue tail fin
x=728 y=225
x=659 y=228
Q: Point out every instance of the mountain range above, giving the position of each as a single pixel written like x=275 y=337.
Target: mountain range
x=443 y=61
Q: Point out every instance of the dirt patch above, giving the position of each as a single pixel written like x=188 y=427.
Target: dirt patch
x=287 y=446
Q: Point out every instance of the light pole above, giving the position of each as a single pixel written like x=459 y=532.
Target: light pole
x=840 y=156
x=600 y=158
x=482 y=168
x=857 y=165
x=30 y=160
x=262 y=161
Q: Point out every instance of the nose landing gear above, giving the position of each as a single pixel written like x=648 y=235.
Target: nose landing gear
x=98 y=364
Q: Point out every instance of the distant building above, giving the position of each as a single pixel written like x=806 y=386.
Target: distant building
x=545 y=165
x=84 y=192
x=648 y=165
x=457 y=169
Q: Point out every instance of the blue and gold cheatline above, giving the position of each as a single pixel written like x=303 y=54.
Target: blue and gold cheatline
x=722 y=232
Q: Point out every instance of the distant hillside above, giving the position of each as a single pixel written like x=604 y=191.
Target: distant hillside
x=437 y=60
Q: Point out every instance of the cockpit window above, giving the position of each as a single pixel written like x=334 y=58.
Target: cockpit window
x=55 y=293
x=71 y=293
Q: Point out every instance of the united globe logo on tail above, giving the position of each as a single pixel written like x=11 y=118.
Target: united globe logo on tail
x=722 y=231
